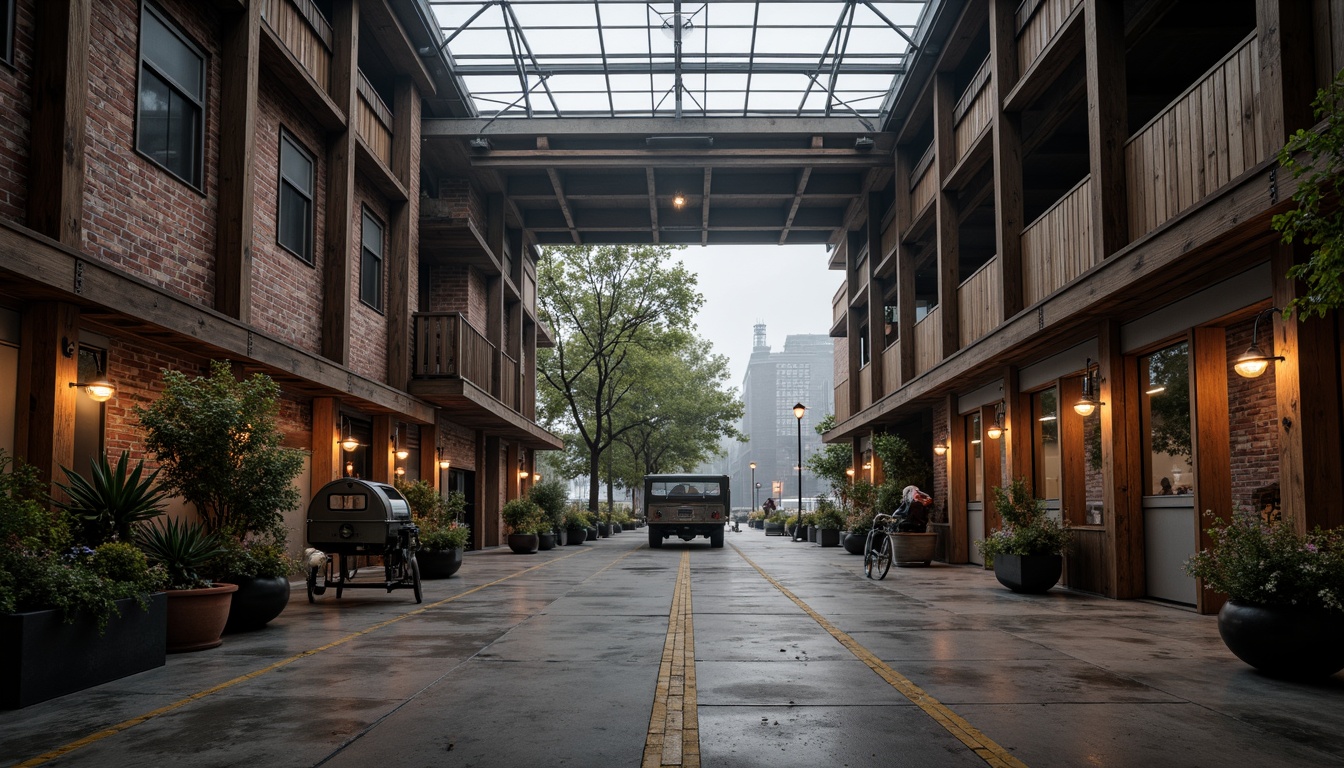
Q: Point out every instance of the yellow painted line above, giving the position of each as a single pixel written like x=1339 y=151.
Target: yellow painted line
x=983 y=746
x=128 y=724
x=674 y=726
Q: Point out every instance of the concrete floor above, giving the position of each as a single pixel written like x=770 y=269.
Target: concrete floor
x=552 y=660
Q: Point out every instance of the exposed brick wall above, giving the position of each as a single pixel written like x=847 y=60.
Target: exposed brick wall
x=286 y=291
x=459 y=444
x=459 y=288
x=841 y=371
x=368 y=327
x=137 y=370
x=16 y=106
x=940 y=474
x=459 y=202
x=137 y=216
x=1252 y=410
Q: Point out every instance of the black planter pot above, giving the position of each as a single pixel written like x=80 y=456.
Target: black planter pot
x=1028 y=574
x=561 y=537
x=593 y=533
x=828 y=537
x=524 y=543
x=258 y=600
x=545 y=541
x=42 y=657
x=854 y=543
x=575 y=536
x=1284 y=640
x=438 y=563
x=604 y=529
x=812 y=533
x=616 y=528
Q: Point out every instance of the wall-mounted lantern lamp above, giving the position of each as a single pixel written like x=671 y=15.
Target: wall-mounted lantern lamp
x=401 y=471
x=444 y=463
x=348 y=443
x=940 y=449
x=1254 y=361
x=1089 y=402
x=398 y=451
x=101 y=389
x=997 y=429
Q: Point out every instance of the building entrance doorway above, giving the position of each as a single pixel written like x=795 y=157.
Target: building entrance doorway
x=1170 y=523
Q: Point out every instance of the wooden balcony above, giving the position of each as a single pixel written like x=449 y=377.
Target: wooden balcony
x=1208 y=136
x=1057 y=247
x=973 y=111
x=508 y=381
x=839 y=304
x=307 y=35
x=923 y=184
x=373 y=121
x=1038 y=21
x=865 y=386
x=980 y=302
x=891 y=368
x=928 y=341
x=446 y=345
x=842 y=410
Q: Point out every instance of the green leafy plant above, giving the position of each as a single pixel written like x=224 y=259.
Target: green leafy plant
x=523 y=516
x=1317 y=221
x=262 y=556
x=443 y=538
x=1270 y=563
x=551 y=497
x=182 y=549
x=112 y=500
x=577 y=517
x=1027 y=529
x=828 y=516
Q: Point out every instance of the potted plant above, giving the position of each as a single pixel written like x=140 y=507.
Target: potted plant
x=828 y=520
x=71 y=615
x=198 y=608
x=443 y=537
x=1285 y=612
x=1027 y=551
x=218 y=442
x=550 y=496
x=523 y=518
x=109 y=503
x=576 y=524
x=859 y=523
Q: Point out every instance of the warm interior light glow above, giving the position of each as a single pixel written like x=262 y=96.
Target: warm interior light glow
x=523 y=474
x=994 y=432
x=1047 y=418
x=402 y=453
x=401 y=471
x=1084 y=407
x=349 y=444
x=1251 y=364
x=444 y=463
x=1155 y=390
x=99 y=390
x=678 y=200
x=940 y=449
x=849 y=472
x=798 y=411
x=975 y=442
x=537 y=478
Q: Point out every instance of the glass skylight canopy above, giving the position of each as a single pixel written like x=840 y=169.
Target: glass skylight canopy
x=725 y=58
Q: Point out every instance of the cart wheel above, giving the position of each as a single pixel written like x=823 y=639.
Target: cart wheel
x=312 y=583
x=415 y=578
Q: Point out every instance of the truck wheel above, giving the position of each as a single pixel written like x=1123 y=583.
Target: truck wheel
x=655 y=539
x=716 y=539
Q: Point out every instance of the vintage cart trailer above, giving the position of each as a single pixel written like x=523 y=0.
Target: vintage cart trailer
x=351 y=518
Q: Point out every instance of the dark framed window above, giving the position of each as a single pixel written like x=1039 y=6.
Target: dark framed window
x=7 y=30
x=170 y=99
x=294 y=211
x=371 y=262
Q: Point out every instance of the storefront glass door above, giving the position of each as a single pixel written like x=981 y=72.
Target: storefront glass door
x=1169 y=519
x=975 y=488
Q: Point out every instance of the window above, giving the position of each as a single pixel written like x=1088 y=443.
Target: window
x=171 y=99
x=294 y=215
x=7 y=30
x=1045 y=444
x=371 y=262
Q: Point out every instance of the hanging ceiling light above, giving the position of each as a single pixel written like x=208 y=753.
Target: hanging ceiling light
x=348 y=443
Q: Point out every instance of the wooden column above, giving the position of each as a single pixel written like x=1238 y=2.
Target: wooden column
x=328 y=464
x=1017 y=431
x=478 y=516
x=513 y=486
x=429 y=456
x=381 y=460
x=237 y=145
x=56 y=132
x=991 y=455
x=1007 y=147
x=1211 y=430
x=401 y=234
x=1307 y=388
x=1287 y=77
x=1107 y=124
x=1121 y=465
x=905 y=309
x=45 y=418
x=340 y=239
x=1072 y=453
x=947 y=215
x=958 y=451
x=492 y=503
x=853 y=325
x=876 y=342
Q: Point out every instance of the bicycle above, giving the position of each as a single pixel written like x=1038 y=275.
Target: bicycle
x=877 y=552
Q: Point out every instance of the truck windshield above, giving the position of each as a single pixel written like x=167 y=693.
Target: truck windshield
x=684 y=488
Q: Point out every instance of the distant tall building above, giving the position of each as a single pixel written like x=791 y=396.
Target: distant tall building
x=802 y=372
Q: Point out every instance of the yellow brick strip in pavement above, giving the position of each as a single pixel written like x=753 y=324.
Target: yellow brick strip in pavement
x=674 y=727
x=979 y=743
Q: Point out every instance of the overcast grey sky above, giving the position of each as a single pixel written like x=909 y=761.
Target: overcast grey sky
x=788 y=288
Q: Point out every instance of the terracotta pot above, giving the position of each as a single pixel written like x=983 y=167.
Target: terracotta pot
x=196 y=617
x=1284 y=640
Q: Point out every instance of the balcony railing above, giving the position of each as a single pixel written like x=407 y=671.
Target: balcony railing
x=839 y=303
x=446 y=346
x=923 y=184
x=980 y=302
x=865 y=386
x=842 y=410
x=928 y=341
x=891 y=368
x=973 y=110
x=1057 y=247
x=373 y=121
x=1038 y=21
x=307 y=35
x=508 y=381
x=1208 y=136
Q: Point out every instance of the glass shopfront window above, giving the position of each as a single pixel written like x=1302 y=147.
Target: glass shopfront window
x=1045 y=444
x=1164 y=377
x=975 y=460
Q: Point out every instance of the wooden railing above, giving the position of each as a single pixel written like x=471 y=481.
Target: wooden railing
x=928 y=341
x=865 y=386
x=307 y=35
x=1038 y=21
x=891 y=368
x=973 y=110
x=446 y=346
x=1208 y=136
x=923 y=183
x=980 y=302
x=842 y=410
x=839 y=303
x=1057 y=247
x=373 y=121
x=508 y=381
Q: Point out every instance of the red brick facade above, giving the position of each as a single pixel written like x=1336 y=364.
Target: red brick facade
x=16 y=105
x=1252 y=413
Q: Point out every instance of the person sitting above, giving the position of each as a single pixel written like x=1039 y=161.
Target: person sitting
x=912 y=516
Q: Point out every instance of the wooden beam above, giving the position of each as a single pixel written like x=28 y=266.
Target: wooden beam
x=946 y=214
x=381 y=460
x=991 y=457
x=853 y=325
x=959 y=452
x=429 y=456
x=704 y=208
x=1007 y=150
x=325 y=442
x=1107 y=124
x=560 y=199
x=1287 y=79
x=1212 y=450
x=491 y=502
x=340 y=236
x=1072 y=453
x=1121 y=465
x=401 y=234
x=45 y=413
x=652 y=184
x=240 y=68
x=875 y=293
x=57 y=130
x=1017 y=435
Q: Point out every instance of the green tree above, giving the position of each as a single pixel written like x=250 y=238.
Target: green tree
x=601 y=303
x=832 y=461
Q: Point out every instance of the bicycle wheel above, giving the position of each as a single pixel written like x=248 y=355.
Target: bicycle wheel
x=882 y=558
x=870 y=553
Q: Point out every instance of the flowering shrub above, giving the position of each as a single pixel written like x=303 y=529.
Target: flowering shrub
x=1027 y=529
x=1271 y=563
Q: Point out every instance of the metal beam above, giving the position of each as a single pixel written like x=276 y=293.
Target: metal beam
x=653 y=203
x=828 y=158
x=704 y=209
x=644 y=126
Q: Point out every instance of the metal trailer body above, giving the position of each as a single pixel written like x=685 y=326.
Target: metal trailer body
x=350 y=518
x=686 y=506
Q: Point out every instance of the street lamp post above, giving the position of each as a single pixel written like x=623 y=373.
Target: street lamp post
x=754 y=486
x=798 y=411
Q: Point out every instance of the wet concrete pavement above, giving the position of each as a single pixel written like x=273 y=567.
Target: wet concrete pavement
x=554 y=660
